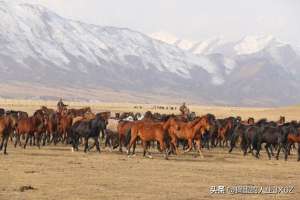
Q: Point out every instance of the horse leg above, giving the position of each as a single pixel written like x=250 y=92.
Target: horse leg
x=287 y=149
x=54 y=138
x=278 y=151
x=86 y=144
x=121 y=140
x=271 y=149
x=232 y=144
x=198 y=144
x=144 y=145
x=226 y=142
x=132 y=142
x=258 y=150
x=38 y=140
x=43 y=139
x=17 y=139
x=30 y=141
x=26 y=140
x=163 y=148
x=107 y=142
x=267 y=147
x=97 y=143
x=290 y=147
x=89 y=148
x=2 y=141
x=23 y=137
x=190 y=145
x=298 y=151
x=245 y=148
x=133 y=149
x=174 y=142
x=5 y=144
x=102 y=134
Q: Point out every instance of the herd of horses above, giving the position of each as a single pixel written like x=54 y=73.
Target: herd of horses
x=169 y=133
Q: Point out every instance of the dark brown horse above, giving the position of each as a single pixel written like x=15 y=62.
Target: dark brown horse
x=51 y=123
x=78 y=112
x=6 y=128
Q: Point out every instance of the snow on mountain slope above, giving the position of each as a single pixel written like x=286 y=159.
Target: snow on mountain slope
x=252 y=44
x=41 y=49
x=32 y=31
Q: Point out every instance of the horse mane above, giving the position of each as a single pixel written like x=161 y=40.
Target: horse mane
x=193 y=123
x=263 y=120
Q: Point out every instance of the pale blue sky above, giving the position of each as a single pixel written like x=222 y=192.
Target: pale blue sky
x=190 y=19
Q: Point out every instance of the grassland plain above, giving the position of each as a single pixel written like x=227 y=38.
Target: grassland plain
x=54 y=172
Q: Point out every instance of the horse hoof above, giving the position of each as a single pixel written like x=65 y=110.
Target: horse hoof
x=149 y=156
x=72 y=149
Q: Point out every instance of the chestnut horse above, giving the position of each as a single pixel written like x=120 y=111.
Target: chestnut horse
x=190 y=131
x=293 y=138
x=31 y=126
x=148 y=131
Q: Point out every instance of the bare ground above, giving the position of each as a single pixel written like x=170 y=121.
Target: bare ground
x=54 y=172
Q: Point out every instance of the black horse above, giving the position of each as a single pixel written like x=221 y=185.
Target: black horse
x=238 y=134
x=86 y=130
x=290 y=135
x=268 y=134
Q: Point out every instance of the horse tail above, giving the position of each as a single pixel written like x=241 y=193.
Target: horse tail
x=127 y=137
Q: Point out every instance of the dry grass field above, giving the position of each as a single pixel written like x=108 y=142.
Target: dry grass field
x=54 y=172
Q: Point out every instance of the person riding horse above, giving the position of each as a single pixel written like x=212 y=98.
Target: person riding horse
x=61 y=106
x=184 y=109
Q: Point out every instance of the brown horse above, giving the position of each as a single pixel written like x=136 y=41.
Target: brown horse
x=78 y=112
x=123 y=128
x=51 y=123
x=64 y=126
x=190 y=131
x=31 y=127
x=223 y=132
x=6 y=127
x=291 y=139
x=148 y=131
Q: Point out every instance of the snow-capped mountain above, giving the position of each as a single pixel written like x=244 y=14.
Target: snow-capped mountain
x=40 y=48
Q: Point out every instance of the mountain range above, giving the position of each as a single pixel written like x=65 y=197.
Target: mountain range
x=42 y=50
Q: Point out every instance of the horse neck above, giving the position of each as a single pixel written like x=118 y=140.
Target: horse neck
x=194 y=123
x=198 y=125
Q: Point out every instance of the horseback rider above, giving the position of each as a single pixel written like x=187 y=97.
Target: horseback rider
x=184 y=109
x=61 y=106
